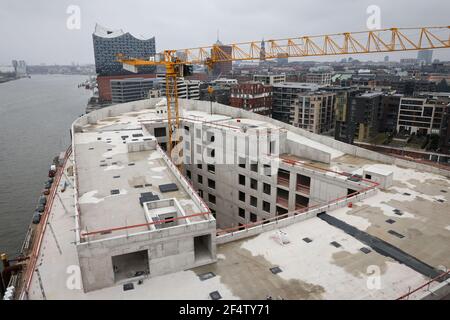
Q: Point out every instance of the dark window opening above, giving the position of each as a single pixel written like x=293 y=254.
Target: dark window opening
x=267 y=189
x=160 y=132
x=266 y=206
x=283 y=197
x=253 y=201
x=253 y=184
x=202 y=248
x=130 y=265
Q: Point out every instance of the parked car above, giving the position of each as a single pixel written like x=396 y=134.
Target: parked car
x=42 y=200
x=36 y=218
x=40 y=208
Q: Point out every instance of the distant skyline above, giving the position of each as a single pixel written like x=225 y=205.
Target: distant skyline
x=37 y=32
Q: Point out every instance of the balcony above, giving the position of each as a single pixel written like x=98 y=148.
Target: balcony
x=303 y=189
x=301 y=202
x=283 y=198
x=283 y=178
x=303 y=184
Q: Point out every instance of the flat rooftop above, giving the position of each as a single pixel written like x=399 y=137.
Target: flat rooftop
x=111 y=180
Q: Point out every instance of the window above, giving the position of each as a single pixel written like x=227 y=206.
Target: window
x=199 y=148
x=241 y=213
x=368 y=176
x=211 y=137
x=213 y=212
x=200 y=193
x=253 y=201
x=254 y=167
x=198 y=133
x=266 y=206
x=199 y=166
x=272 y=147
x=253 y=217
x=267 y=170
x=267 y=189
x=187 y=145
x=186 y=128
x=211 y=184
x=211 y=168
x=242 y=180
x=189 y=174
x=160 y=132
x=212 y=153
x=242 y=162
x=254 y=184
x=212 y=198
x=200 y=179
x=241 y=196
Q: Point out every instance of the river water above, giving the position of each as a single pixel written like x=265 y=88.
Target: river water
x=35 y=117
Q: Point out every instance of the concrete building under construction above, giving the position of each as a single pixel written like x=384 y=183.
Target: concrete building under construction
x=256 y=207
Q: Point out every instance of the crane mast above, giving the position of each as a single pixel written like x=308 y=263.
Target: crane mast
x=364 y=42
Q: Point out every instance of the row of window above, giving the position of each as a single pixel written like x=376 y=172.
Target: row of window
x=254 y=166
x=267 y=189
x=253 y=217
x=211 y=183
x=254 y=202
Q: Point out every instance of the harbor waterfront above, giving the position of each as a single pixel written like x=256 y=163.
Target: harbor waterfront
x=35 y=117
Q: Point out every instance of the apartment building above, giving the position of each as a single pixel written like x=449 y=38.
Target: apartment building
x=285 y=95
x=187 y=89
x=314 y=112
x=252 y=96
x=270 y=79
x=133 y=89
x=320 y=78
x=362 y=119
x=423 y=114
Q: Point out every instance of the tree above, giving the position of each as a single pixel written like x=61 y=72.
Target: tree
x=443 y=86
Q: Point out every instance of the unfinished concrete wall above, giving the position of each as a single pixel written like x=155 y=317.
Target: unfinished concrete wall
x=169 y=250
x=281 y=223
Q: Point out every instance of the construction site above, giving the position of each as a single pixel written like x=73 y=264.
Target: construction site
x=168 y=198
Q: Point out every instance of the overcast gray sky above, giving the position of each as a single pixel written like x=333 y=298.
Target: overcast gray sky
x=35 y=30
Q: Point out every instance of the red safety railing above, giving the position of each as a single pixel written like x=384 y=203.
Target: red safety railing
x=110 y=230
x=372 y=185
x=37 y=245
x=427 y=284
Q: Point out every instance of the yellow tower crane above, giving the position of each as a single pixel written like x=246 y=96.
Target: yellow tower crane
x=178 y=62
